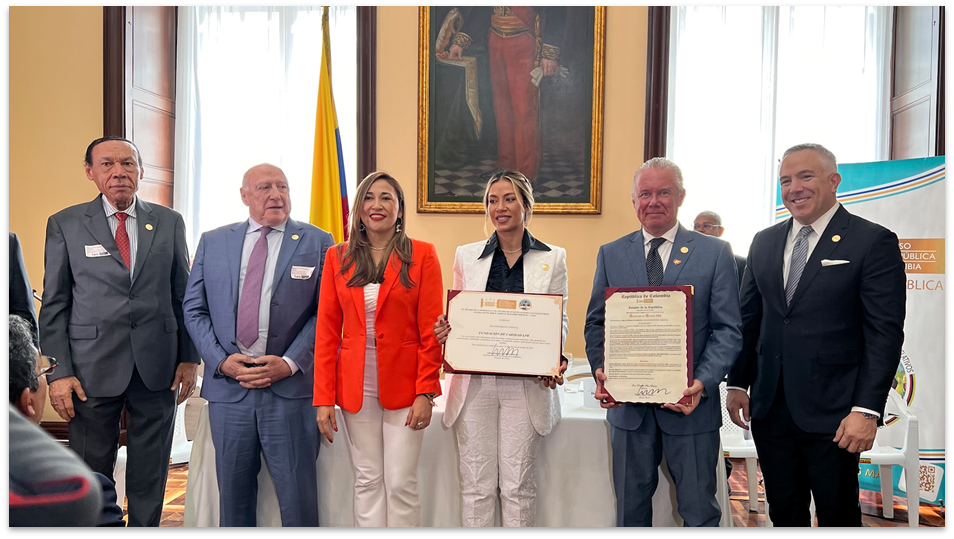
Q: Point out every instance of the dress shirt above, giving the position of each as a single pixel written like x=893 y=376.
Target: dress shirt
x=264 y=309
x=665 y=249
x=818 y=228
x=131 y=230
x=503 y=277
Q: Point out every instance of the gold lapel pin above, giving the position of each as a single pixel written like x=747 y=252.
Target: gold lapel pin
x=294 y=236
x=148 y=226
x=677 y=261
x=546 y=267
x=836 y=238
x=684 y=250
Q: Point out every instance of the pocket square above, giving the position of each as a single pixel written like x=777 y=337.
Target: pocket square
x=825 y=263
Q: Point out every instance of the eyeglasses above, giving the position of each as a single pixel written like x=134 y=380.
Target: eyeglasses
x=704 y=226
x=46 y=364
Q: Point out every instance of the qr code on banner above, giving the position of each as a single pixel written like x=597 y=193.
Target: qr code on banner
x=930 y=482
x=928 y=479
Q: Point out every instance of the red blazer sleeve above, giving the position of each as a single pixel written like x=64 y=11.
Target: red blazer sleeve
x=429 y=307
x=328 y=331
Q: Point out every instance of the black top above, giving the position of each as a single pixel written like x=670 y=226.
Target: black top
x=503 y=277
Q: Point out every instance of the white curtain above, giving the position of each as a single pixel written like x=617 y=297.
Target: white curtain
x=748 y=82
x=247 y=87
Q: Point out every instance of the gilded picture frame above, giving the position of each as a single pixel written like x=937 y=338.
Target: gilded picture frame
x=474 y=120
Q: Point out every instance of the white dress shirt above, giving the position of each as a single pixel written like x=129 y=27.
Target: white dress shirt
x=665 y=249
x=264 y=309
x=131 y=229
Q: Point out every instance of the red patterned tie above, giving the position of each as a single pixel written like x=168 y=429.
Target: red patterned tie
x=122 y=239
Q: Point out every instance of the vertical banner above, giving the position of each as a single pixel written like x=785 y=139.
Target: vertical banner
x=908 y=198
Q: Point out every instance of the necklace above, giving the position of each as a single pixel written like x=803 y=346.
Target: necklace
x=511 y=252
x=377 y=248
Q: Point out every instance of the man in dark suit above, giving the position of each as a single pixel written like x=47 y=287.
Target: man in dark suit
x=47 y=481
x=251 y=308
x=640 y=434
x=709 y=223
x=823 y=303
x=21 y=294
x=115 y=273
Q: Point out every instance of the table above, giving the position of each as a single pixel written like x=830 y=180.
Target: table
x=574 y=477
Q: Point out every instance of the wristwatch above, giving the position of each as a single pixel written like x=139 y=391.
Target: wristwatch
x=866 y=415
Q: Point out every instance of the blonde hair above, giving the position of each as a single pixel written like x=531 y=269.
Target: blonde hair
x=521 y=188
x=357 y=250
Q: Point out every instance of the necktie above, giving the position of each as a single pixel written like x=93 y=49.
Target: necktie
x=799 y=259
x=122 y=238
x=654 y=267
x=247 y=327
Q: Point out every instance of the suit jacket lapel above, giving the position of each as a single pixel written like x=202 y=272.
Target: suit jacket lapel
x=391 y=276
x=777 y=261
x=480 y=272
x=291 y=239
x=637 y=258
x=233 y=250
x=677 y=258
x=95 y=222
x=144 y=216
x=823 y=249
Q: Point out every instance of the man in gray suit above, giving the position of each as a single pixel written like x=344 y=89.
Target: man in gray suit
x=663 y=253
x=251 y=308
x=115 y=272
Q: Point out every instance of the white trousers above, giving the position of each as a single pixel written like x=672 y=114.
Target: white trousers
x=384 y=453
x=497 y=441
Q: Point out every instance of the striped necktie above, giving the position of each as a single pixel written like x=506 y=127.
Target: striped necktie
x=799 y=259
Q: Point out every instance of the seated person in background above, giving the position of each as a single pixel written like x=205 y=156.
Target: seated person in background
x=49 y=484
x=710 y=224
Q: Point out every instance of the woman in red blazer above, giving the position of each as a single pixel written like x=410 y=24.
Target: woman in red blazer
x=375 y=352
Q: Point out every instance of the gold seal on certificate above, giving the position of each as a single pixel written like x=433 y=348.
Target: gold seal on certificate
x=501 y=333
x=648 y=344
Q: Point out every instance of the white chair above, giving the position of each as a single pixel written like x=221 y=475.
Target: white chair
x=181 y=446
x=737 y=443
x=885 y=457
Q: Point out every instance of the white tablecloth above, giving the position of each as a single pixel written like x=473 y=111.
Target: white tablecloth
x=574 y=477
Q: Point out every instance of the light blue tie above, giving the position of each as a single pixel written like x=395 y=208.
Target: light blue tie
x=799 y=259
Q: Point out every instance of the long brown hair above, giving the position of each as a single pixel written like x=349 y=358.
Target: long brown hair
x=357 y=251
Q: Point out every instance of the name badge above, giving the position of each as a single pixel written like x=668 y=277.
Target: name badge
x=95 y=251
x=302 y=272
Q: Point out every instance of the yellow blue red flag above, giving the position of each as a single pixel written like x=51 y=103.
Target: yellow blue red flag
x=329 y=193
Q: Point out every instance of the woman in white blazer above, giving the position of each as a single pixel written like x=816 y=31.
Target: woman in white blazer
x=499 y=420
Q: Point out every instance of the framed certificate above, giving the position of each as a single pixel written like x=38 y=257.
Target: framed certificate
x=501 y=333
x=647 y=345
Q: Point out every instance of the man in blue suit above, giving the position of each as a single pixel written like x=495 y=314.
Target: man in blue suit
x=250 y=307
x=663 y=253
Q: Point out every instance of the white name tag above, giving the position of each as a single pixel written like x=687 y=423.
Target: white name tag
x=302 y=272
x=94 y=251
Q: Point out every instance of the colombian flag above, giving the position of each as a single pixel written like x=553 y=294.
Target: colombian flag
x=329 y=193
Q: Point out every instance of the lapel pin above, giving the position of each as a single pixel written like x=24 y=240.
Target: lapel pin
x=677 y=261
x=836 y=238
x=148 y=226
x=684 y=250
x=294 y=236
x=546 y=267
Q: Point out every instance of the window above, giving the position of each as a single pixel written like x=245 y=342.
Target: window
x=748 y=82
x=247 y=94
